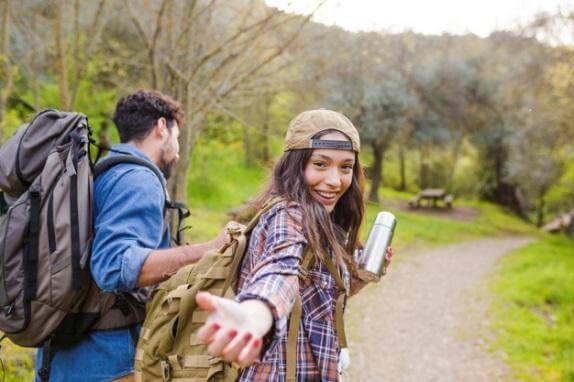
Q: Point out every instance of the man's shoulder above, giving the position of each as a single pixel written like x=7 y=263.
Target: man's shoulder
x=127 y=180
x=130 y=175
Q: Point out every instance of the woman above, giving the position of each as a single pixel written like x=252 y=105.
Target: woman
x=320 y=181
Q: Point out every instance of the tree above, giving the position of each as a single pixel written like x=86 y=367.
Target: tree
x=202 y=52
x=6 y=70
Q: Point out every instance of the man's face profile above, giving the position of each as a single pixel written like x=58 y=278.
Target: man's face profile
x=169 y=154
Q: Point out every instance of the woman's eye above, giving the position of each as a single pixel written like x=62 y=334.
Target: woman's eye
x=320 y=164
x=348 y=168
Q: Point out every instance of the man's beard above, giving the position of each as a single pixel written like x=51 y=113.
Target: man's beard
x=166 y=166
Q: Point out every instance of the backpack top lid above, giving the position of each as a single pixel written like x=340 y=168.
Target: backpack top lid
x=23 y=156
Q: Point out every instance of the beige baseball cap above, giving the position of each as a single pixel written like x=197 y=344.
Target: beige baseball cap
x=307 y=124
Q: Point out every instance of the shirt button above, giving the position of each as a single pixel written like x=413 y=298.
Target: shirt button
x=324 y=284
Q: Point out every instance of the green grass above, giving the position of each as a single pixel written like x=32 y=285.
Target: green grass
x=18 y=363
x=219 y=182
x=534 y=310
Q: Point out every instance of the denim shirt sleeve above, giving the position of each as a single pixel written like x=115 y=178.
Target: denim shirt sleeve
x=128 y=226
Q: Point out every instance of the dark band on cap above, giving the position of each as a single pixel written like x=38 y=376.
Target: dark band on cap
x=327 y=144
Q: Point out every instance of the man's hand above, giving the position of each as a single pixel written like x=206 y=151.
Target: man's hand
x=224 y=236
x=234 y=331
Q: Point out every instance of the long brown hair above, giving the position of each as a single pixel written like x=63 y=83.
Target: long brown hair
x=338 y=230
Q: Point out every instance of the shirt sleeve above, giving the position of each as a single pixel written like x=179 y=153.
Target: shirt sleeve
x=128 y=226
x=274 y=278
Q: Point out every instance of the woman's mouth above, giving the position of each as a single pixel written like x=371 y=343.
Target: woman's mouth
x=325 y=197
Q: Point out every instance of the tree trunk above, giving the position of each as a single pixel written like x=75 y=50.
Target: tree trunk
x=570 y=228
x=247 y=147
x=62 y=64
x=378 y=156
x=454 y=159
x=5 y=67
x=265 y=156
x=423 y=176
x=103 y=134
x=540 y=211
x=402 y=168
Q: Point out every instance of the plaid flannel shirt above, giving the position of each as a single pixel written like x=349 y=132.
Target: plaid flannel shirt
x=269 y=273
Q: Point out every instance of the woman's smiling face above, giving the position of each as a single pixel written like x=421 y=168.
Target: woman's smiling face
x=329 y=172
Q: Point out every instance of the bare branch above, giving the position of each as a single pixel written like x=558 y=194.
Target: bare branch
x=138 y=24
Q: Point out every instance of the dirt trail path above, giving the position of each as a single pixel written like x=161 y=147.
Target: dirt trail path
x=426 y=320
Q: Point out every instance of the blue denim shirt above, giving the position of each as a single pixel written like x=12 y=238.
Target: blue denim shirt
x=128 y=211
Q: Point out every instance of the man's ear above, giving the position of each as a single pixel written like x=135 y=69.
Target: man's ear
x=160 y=128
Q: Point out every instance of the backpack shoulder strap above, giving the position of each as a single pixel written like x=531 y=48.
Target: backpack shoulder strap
x=266 y=207
x=110 y=161
x=295 y=318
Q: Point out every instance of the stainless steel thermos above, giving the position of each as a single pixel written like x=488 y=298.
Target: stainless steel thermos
x=373 y=257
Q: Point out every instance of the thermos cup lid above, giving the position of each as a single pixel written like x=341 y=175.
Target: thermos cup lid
x=387 y=219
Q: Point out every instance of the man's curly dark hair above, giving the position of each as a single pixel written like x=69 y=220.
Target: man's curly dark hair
x=137 y=113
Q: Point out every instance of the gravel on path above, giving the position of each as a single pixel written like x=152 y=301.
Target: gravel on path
x=428 y=318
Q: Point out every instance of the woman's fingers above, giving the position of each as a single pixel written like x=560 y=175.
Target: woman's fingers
x=232 y=350
x=220 y=341
x=250 y=354
x=389 y=254
x=207 y=331
x=206 y=301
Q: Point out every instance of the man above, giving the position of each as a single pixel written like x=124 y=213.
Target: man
x=130 y=250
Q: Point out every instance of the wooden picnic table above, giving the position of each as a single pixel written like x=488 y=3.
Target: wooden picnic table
x=432 y=196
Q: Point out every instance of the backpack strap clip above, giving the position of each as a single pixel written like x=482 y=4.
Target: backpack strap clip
x=165 y=370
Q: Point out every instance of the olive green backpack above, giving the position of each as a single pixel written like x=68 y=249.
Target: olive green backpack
x=168 y=348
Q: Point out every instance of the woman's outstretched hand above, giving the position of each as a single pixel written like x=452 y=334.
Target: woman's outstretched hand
x=234 y=331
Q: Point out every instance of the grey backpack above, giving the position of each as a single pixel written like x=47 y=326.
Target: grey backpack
x=46 y=229
x=46 y=226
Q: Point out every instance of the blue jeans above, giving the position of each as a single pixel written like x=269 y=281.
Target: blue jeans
x=102 y=356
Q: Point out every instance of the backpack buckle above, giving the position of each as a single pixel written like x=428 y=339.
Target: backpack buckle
x=165 y=370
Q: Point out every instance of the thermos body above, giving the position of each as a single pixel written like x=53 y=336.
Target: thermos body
x=373 y=257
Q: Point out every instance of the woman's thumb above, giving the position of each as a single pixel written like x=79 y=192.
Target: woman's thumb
x=206 y=301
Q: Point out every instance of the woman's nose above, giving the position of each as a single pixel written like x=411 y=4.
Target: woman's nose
x=333 y=178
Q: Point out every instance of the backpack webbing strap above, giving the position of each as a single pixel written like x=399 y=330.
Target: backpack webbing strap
x=74 y=216
x=295 y=319
x=31 y=251
x=47 y=355
x=182 y=214
x=236 y=263
x=340 y=326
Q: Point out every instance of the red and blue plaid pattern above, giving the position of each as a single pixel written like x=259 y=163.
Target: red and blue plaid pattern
x=270 y=273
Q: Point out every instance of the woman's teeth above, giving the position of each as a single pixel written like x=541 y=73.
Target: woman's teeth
x=327 y=195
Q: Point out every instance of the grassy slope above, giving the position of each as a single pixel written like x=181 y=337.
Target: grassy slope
x=534 y=310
